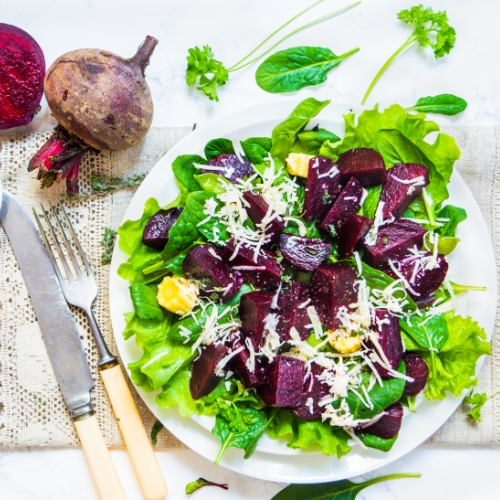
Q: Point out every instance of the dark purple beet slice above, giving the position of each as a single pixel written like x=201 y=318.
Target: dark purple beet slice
x=211 y=273
x=234 y=168
x=417 y=369
x=249 y=378
x=290 y=299
x=333 y=286
x=312 y=392
x=322 y=187
x=396 y=194
x=366 y=164
x=155 y=234
x=203 y=377
x=254 y=309
x=257 y=209
x=346 y=204
x=284 y=380
x=305 y=254
x=423 y=282
x=351 y=233
x=387 y=426
x=22 y=68
x=389 y=340
x=425 y=302
x=265 y=273
x=393 y=241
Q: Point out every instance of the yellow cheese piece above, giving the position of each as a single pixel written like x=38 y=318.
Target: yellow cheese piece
x=177 y=295
x=298 y=164
x=343 y=344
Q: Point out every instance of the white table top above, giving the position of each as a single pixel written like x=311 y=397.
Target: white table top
x=470 y=71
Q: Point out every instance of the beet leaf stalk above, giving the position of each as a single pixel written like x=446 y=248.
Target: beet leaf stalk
x=431 y=29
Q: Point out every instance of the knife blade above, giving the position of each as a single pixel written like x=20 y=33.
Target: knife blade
x=62 y=341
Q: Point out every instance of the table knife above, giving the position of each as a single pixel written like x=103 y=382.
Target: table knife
x=62 y=342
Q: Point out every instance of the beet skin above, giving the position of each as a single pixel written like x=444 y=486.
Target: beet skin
x=155 y=234
x=235 y=169
x=366 y=164
x=203 y=378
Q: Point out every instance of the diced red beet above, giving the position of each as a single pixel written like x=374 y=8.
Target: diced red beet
x=265 y=273
x=387 y=426
x=351 y=233
x=291 y=314
x=424 y=282
x=333 y=286
x=21 y=76
x=155 y=234
x=389 y=340
x=284 y=380
x=240 y=367
x=305 y=254
x=258 y=209
x=213 y=275
x=234 y=168
x=417 y=369
x=312 y=392
x=203 y=378
x=366 y=164
x=254 y=309
x=393 y=241
x=399 y=190
x=322 y=187
x=346 y=204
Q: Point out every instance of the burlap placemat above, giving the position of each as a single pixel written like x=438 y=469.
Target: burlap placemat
x=32 y=411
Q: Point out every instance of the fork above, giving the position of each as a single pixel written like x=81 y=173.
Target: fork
x=81 y=291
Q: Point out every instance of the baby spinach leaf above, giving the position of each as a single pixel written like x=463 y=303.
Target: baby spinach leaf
x=292 y=69
x=310 y=141
x=338 y=490
x=145 y=302
x=370 y=205
x=200 y=483
x=431 y=333
x=211 y=182
x=455 y=216
x=285 y=134
x=376 y=442
x=443 y=104
x=184 y=171
x=195 y=206
x=215 y=147
x=256 y=149
x=181 y=236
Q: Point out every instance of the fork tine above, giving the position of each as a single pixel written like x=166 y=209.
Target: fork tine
x=76 y=240
x=69 y=274
x=69 y=247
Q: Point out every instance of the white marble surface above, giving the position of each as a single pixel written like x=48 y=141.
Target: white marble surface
x=232 y=28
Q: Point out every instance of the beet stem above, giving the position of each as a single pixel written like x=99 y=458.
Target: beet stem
x=144 y=53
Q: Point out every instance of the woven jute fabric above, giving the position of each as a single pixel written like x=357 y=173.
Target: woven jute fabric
x=32 y=411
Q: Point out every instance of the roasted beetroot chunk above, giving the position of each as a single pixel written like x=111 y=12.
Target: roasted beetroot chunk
x=265 y=272
x=389 y=340
x=234 y=168
x=284 y=380
x=333 y=286
x=393 y=241
x=254 y=309
x=387 y=426
x=417 y=369
x=322 y=187
x=405 y=182
x=424 y=282
x=257 y=209
x=366 y=164
x=346 y=204
x=313 y=391
x=351 y=233
x=22 y=68
x=155 y=234
x=203 y=377
x=212 y=274
x=239 y=364
x=305 y=254
x=292 y=303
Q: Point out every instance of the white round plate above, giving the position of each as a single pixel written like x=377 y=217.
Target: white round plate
x=471 y=263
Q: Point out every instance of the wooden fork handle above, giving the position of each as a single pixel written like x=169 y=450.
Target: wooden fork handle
x=136 y=440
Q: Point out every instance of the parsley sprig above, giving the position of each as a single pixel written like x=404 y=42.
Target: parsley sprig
x=431 y=29
x=478 y=400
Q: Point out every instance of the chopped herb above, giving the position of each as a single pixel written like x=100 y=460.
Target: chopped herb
x=157 y=427
x=108 y=242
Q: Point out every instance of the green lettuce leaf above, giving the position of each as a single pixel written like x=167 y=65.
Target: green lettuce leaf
x=177 y=392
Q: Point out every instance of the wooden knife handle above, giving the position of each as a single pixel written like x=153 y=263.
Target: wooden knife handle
x=136 y=440
x=99 y=460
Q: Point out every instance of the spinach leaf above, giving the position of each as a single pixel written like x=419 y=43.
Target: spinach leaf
x=338 y=490
x=256 y=149
x=292 y=69
x=195 y=207
x=310 y=141
x=431 y=333
x=376 y=442
x=216 y=147
x=455 y=216
x=145 y=302
x=443 y=104
x=211 y=182
x=184 y=171
x=252 y=445
x=155 y=429
x=370 y=205
x=285 y=133
x=181 y=236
